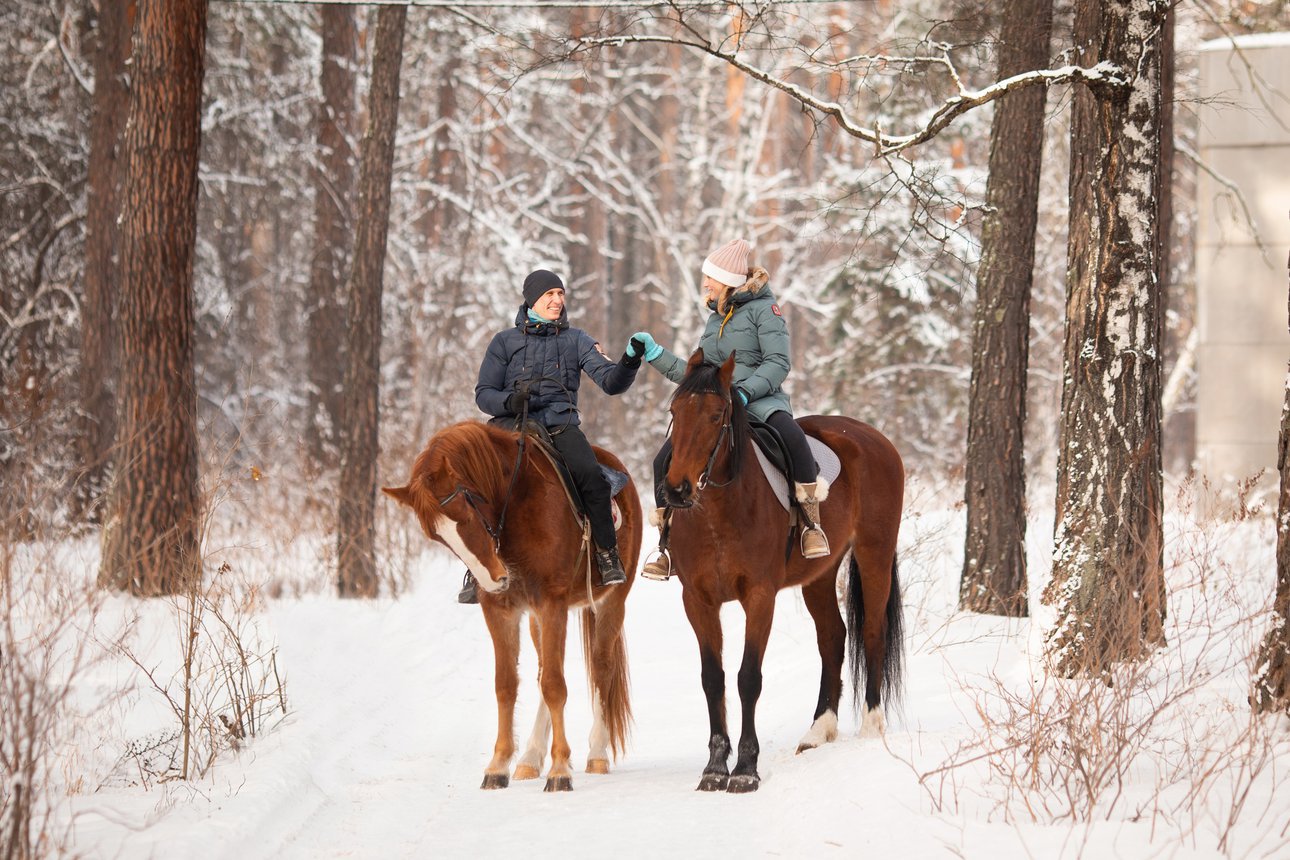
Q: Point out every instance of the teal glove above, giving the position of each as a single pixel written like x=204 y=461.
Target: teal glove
x=743 y=395
x=642 y=343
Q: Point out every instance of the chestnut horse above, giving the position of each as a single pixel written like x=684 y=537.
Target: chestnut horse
x=500 y=507
x=730 y=539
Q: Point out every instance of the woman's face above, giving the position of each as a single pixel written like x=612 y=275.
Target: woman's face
x=711 y=288
x=550 y=304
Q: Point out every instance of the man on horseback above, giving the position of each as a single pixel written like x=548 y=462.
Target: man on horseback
x=747 y=321
x=532 y=371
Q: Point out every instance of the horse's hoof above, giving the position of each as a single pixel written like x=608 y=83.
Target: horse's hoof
x=597 y=765
x=713 y=782
x=525 y=771
x=495 y=780
x=802 y=747
x=559 y=783
x=743 y=784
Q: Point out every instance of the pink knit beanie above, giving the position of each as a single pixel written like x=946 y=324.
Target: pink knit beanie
x=729 y=264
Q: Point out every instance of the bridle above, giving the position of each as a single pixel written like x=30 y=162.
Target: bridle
x=705 y=478
x=474 y=500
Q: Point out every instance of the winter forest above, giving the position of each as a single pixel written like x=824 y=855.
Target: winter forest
x=252 y=253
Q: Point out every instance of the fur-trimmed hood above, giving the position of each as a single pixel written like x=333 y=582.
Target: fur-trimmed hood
x=757 y=280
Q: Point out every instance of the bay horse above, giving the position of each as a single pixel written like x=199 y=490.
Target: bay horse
x=731 y=539
x=499 y=506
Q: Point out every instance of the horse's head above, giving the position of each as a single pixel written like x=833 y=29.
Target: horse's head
x=454 y=493
x=707 y=423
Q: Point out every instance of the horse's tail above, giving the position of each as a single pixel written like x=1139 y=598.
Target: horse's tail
x=604 y=649
x=893 y=660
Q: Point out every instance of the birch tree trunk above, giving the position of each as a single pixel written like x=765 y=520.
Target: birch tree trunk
x=356 y=550
x=1108 y=567
x=151 y=539
x=333 y=185
x=994 y=559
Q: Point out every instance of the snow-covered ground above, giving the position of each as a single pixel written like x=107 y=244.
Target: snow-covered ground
x=391 y=719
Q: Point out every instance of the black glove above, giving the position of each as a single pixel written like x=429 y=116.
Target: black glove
x=629 y=360
x=519 y=398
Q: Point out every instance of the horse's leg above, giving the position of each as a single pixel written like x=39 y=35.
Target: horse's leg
x=831 y=638
x=530 y=763
x=875 y=588
x=554 y=620
x=504 y=626
x=705 y=618
x=606 y=657
x=759 y=611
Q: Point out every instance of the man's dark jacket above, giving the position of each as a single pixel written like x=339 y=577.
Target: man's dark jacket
x=552 y=357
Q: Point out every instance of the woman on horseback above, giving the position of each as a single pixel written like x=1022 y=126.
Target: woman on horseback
x=533 y=369
x=745 y=320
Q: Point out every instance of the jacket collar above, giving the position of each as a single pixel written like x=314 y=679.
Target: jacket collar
x=544 y=328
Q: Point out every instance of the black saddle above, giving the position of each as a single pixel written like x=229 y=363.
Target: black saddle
x=772 y=445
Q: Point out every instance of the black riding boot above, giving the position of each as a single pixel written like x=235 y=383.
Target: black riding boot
x=611 y=567
x=469 y=589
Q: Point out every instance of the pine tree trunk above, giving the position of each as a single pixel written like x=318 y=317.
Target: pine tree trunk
x=151 y=540
x=1272 y=668
x=1108 y=565
x=356 y=550
x=98 y=335
x=994 y=561
x=333 y=186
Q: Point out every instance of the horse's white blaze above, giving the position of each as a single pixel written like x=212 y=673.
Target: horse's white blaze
x=824 y=730
x=446 y=529
x=874 y=724
x=535 y=751
x=598 y=740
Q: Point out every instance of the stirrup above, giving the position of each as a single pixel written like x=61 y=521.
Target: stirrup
x=658 y=568
x=817 y=552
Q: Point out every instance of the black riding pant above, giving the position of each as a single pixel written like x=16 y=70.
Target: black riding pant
x=804 y=468
x=592 y=485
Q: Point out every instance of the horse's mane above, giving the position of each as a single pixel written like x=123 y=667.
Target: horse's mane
x=470 y=449
x=704 y=379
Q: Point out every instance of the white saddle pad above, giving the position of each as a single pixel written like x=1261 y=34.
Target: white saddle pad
x=830 y=468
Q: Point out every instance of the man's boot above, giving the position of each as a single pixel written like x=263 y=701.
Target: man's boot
x=469 y=589
x=809 y=496
x=659 y=568
x=611 y=567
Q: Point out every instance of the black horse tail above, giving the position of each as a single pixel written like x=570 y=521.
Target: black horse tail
x=893 y=659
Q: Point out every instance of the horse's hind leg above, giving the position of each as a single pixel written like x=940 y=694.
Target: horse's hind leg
x=875 y=589
x=504 y=627
x=530 y=764
x=606 y=658
x=830 y=637
x=706 y=621
x=554 y=623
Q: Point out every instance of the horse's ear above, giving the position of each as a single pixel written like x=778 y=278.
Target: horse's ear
x=403 y=495
x=695 y=360
x=727 y=372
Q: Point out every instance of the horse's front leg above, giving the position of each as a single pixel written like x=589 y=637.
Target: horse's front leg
x=759 y=611
x=504 y=627
x=530 y=764
x=706 y=621
x=554 y=621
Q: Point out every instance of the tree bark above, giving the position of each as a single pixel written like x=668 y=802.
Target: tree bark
x=151 y=540
x=1272 y=668
x=994 y=560
x=356 y=551
x=333 y=186
x=1108 y=567
x=102 y=205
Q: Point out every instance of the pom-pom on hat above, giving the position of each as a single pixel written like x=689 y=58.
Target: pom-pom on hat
x=729 y=264
x=538 y=283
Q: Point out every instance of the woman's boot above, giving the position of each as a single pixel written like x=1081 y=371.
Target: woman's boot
x=660 y=567
x=809 y=496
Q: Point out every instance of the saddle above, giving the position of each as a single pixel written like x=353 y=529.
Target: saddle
x=774 y=458
x=617 y=480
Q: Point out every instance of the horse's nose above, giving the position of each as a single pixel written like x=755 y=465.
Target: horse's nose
x=680 y=496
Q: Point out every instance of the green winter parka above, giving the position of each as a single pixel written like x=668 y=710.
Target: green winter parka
x=753 y=328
